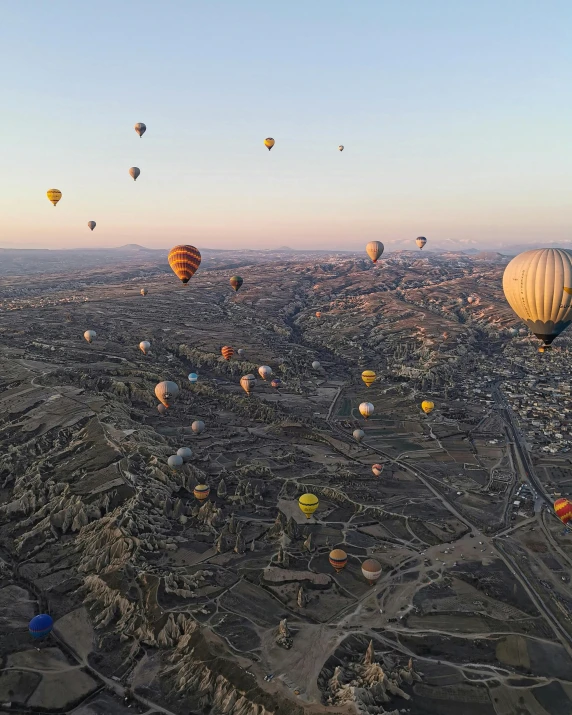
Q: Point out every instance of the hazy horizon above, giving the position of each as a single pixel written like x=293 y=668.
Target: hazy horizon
x=454 y=119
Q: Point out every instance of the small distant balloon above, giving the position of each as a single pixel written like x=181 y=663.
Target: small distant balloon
x=371 y=570
x=175 y=461
x=318 y=314
x=368 y=376
x=185 y=453
x=421 y=241
x=316 y=365
x=166 y=391
x=184 y=262
x=341 y=147
x=427 y=406
x=40 y=626
x=54 y=195
x=374 y=249
x=201 y=492
x=161 y=409
x=358 y=435
x=265 y=372
x=140 y=128
x=90 y=335
x=377 y=469
x=338 y=559
x=241 y=352
x=236 y=282
x=134 y=172
x=91 y=225
x=247 y=383
x=227 y=352
x=144 y=346
x=366 y=409
x=144 y=291
x=193 y=377
x=269 y=143
x=276 y=383
x=308 y=504
x=198 y=426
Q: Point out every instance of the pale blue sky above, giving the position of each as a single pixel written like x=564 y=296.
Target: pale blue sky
x=456 y=116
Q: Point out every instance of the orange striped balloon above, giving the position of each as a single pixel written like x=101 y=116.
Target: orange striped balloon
x=202 y=491
x=184 y=261
x=227 y=352
x=563 y=509
x=338 y=559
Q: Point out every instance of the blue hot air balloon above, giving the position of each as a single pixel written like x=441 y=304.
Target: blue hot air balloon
x=193 y=377
x=40 y=626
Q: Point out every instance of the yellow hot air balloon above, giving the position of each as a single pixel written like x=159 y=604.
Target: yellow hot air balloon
x=427 y=406
x=421 y=241
x=366 y=409
x=368 y=376
x=269 y=143
x=184 y=261
x=374 y=249
x=308 y=503
x=538 y=287
x=54 y=195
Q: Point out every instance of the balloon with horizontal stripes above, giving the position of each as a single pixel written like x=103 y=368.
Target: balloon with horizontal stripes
x=368 y=376
x=184 y=261
x=54 y=195
x=227 y=352
x=338 y=559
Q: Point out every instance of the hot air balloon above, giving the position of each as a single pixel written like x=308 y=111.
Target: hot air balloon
x=318 y=314
x=134 y=172
x=377 y=469
x=316 y=365
x=368 y=376
x=54 y=195
x=338 y=559
x=563 y=510
x=240 y=352
x=427 y=406
x=366 y=409
x=161 y=409
x=308 y=503
x=264 y=371
x=193 y=377
x=371 y=569
x=201 y=492
x=185 y=453
x=90 y=335
x=91 y=225
x=144 y=346
x=269 y=143
x=198 y=426
x=140 y=128
x=341 y=147
x=421 y=241
x=276 y=383
x=175 y=461
x=513 y=332
x=247 y=383
x=374 y=249
x=143 y=291
x=470 y=299
x=227 y=352
x=40 y=626
x=166 y=391
x=358 y=435
x=184 y=261
x=236 y=282
x=538 y=287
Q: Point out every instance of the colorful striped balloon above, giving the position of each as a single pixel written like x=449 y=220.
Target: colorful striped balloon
x=563 y=509
x=184 y=261
x=201 y=492
x=338 y=559
x=368 y=376
x=227 y=352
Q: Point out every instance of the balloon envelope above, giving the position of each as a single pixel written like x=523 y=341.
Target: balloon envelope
x=366 y=409
x=264 y=371
x=374 y=249
x=193 y=377
x=276 y=382
x=308 y=503
x=269 y=143
x=175 y=461
x=427 y=406
x=358 y=435
x=377 y=469
x=140 y=128
x=54 y=195
x=90 y=335
x=236 y=282
x=563 y=510
x=421 y=241
x=184 y=261
x=144 y=346
x=185 y=453
x=371 y=569
x=316 y=365
x=227 y=352
x=143 y=291
x=368 y=376
x=247 y=383
x=134 y=172
x=41 y=625
x=201 y=491
x=166 y=391
x=338 y=559
x=341 y=147
x=198 y=426
x=161 y=409
x=538 y=287
x=91 y=225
